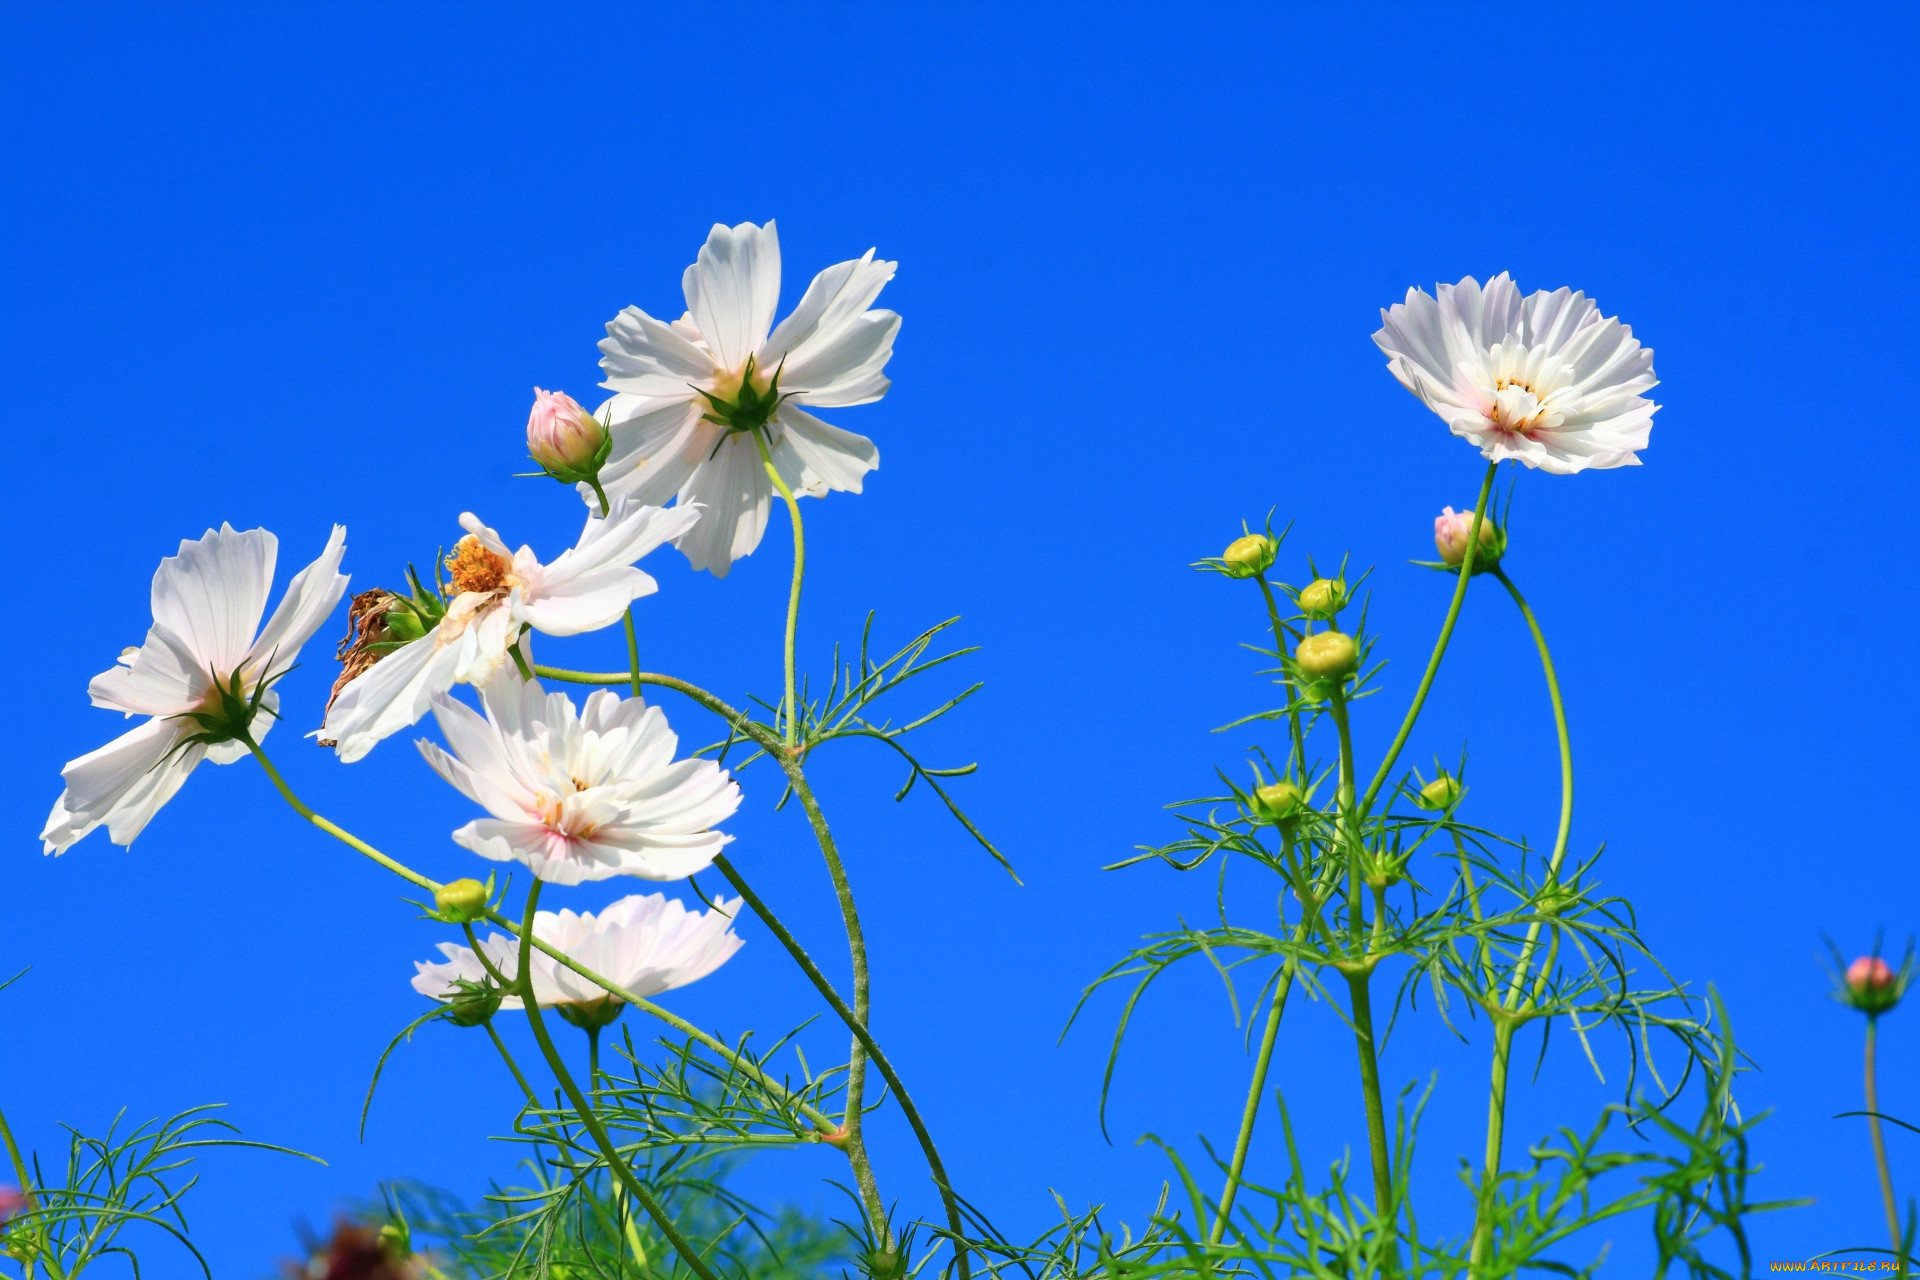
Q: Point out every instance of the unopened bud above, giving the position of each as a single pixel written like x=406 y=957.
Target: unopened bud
x=1327 y=654
x=1276 y=801
x=1450 y=531
x=1323 y=597
x=1247 y=556
x=1443 y=792
x=564 y=438
x=886 y=1264
x=1872 y=985
x=474 y=1007
x=461 y=901
x=591 y=1015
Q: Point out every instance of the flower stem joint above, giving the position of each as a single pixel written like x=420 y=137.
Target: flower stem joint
x=1249 y=555
x=1450 y=531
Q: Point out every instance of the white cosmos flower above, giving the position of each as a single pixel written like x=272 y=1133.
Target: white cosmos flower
x=1544 y=379
x=720 y=361
x=496 y=592
x=207 y=603
x=644 y=944
x=580 y=796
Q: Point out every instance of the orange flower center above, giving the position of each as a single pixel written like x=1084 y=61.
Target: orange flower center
x=474 y=568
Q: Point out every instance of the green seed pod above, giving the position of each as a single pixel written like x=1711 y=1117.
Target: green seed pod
x=461 y=901
x=1328 y=655
x=1247 y=556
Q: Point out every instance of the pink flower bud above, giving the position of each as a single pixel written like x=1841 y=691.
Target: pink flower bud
x=12 y=1201
x=1450 y=530
x=564 y=438
x=1869 y=976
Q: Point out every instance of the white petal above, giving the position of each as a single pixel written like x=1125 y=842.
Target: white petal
x=211 y=594
x=655 y=448
x=393 y=694
x=732 y=289
x=309 y=599
x=122 y=784
x=831 y=458
x=734 y=489
x=591 y=585
x=644 y=357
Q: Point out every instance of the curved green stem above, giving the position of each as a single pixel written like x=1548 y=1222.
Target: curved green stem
x=608 y=1152
x=1559 y=719
x=1880 y=1146
x=1439 y=645
x=793 y=595
x=338 y=833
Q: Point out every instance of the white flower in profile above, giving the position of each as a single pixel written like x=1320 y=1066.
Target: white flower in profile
x=1545 y=379
x=202 y=677
x=692 y=394
x=644 y=944
x=580 y=796
x=496 y=593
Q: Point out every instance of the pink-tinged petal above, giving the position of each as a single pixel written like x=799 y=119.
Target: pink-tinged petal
x=732 y=289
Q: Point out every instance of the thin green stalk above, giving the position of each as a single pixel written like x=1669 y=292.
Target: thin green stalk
x=1280 y=648
x=793 y=595
x=1357 y=985
x=1349 y=815
x=338 y=833
x=610 y=1153
x=1880 y=1146
x=1256 y=1094
x=633 y=653
x=1439 y=645
x=1559 y=720
x=512 y=1066
x=1503 y=1029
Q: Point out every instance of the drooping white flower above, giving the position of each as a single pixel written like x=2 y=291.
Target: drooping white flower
x=692 y=393
x=1545 y=379
x=644 y=944
x=496 y=592
x=580 y=796
x=200 y=654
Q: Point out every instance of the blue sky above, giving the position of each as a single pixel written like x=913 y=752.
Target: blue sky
x=300 y=267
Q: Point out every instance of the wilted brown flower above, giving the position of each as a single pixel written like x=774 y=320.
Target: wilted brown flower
x=366 y=629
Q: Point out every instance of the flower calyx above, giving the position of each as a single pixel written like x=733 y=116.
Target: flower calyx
x=1873 y=986
x=1442 y=794
x=591 y=1015
x=570 y=444
x=1277 y=803
x=227 y=711
x=1556 y=899
x=1322 y=598
x=745 y=407
x=885 y=1264
x=1248 y=555
x=470 y=1003
x=462 y=901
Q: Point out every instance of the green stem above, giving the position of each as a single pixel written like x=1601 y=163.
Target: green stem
x=1280 y=649
x=1503 y=1029
x=1256 y=1093
x=1880 y=1146
x=1349 y=815
x=1559 y=720
x=1439 y=646
x=512 y=1066
x=1357 y=985
x=633 y=653
x=609 y=1152
x=338 y=833
x=793 y=595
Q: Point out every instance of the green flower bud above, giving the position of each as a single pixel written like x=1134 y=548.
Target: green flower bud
x=461 y=901
x=1443 y=792
x=1323 y=597
x=1327 y=655
x=1247 y=556
x=1276 y=801
x=472 y=1004
x=886 y=1264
